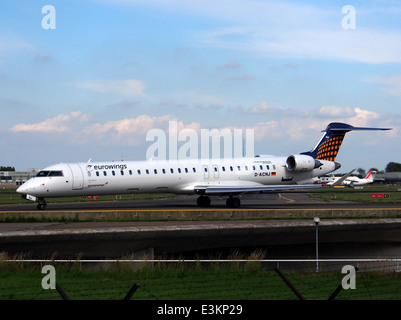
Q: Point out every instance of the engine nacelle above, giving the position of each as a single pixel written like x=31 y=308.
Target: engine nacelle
x=302 y=163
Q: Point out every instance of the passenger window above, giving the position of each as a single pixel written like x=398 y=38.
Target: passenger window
x=215 y=169
x=231 y=168
x=164 y=171
x=261 y=168
x=253 y=167
x=113 y=173
x=186 y=170
x=179 y=170
x=130 y=172
x=97 y=173
x=155 y=171
x=246 y=168
x=239 y=168
x=147 y=171
x=223 y=168
x=122 y=172
x=193 y=169
x=139 y=171
x=267 y=167
x=171 y=170
x=104 y=173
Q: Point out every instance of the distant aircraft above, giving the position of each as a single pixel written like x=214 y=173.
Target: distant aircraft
x=345 y=180
x=205 y=177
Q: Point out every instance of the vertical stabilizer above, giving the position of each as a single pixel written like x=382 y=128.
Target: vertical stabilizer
x=329 y=145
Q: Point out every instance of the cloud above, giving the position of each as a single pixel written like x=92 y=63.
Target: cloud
x=367 y=46
x=284 y=29
x=58 y=124
x=355 y=116
x=127 y=87
x=11 y=44
x=264 y=107
x=245 y=77
x=231 y=65
x=334 y=111
x=391 y=84
x=43 y=58
x=287 y=127
x=75 y=128
x=291 y=126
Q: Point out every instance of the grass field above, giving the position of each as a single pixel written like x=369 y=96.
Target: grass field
x=249 y=281
x=371 y=193
x=180 y=281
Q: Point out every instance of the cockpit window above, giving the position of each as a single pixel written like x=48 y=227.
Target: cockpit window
x=56 y=174
x=43 y=174
x=46 y=173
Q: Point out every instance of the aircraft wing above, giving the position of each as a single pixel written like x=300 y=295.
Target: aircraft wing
x=227 y=190
x=342 y=179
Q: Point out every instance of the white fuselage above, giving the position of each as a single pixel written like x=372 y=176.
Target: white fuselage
x=350 y=181
x=179 y=177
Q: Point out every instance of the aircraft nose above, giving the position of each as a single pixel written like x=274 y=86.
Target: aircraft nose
x=27 y=187
x=23 y=189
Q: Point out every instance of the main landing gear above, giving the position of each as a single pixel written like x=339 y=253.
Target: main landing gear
x=42 y=204
x=232 y=202
x=203 y=201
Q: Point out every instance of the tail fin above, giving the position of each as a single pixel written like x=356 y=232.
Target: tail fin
x=329 y=145
x=371 y=175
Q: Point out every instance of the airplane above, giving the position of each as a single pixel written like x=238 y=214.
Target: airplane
x=204 y=177
x=345 y=180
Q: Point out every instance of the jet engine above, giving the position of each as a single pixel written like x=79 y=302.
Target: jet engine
x=302 y=163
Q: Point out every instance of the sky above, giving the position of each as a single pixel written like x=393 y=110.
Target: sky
x=90 y=79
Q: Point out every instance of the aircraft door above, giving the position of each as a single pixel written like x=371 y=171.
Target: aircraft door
x=216 y=171
x=205 y=172
x=77 y=176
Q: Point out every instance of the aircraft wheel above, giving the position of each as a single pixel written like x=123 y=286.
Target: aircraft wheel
x=41 y=206
x=233 y=202
x=203 y=201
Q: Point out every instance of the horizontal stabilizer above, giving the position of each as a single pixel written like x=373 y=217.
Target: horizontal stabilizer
x=337 y=126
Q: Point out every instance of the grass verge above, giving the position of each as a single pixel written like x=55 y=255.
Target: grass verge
x=187 y=281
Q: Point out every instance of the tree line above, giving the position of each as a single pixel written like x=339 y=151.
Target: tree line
x=7 y=168
x=393 y=167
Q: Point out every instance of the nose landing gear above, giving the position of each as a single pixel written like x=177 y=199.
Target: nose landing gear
x=42 y=204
